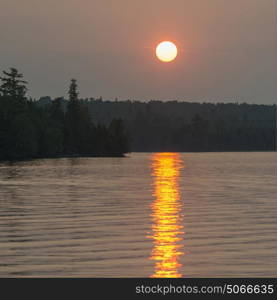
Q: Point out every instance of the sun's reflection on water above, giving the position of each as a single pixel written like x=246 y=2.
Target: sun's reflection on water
x=167 y=228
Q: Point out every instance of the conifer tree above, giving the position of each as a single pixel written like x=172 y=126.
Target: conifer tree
x=13 y=85
x=77 y=124
x=73 y=90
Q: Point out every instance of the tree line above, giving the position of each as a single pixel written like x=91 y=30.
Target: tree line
x=188 y=127
x=28 y=130
x=93 y=127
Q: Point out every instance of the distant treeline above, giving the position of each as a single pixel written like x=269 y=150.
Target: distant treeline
x=28 y=130
x=93 y=127
x=188 y=127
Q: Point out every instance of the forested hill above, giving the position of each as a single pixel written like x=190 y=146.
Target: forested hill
x=185 y=126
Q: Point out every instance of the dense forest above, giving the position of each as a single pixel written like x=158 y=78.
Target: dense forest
x=28 y=130
x=188 y=127
x=92 y=127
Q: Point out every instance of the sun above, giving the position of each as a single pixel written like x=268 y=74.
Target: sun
x=166 y=51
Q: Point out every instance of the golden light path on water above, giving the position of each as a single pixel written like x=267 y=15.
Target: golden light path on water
x=167 y=228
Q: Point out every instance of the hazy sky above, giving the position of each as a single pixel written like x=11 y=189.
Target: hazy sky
x=228 y=48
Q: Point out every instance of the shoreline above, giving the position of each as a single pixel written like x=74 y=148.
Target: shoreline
x=126 y=155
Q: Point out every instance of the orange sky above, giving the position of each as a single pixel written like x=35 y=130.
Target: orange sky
x=227 y=48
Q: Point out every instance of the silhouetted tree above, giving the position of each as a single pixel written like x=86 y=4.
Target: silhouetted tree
x=77 y=124
x=18 y=135
x=73 y=91
x=13 y=85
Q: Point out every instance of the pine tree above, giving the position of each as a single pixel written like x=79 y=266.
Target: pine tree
x=77 y=124
x=13 y=85
x=73 y=90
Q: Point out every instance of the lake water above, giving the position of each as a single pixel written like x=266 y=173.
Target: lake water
x=147 y=215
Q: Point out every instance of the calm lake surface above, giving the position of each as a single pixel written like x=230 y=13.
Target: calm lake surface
x=150 y=214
